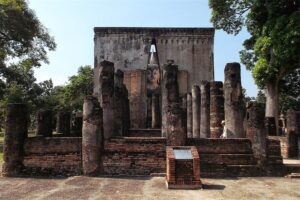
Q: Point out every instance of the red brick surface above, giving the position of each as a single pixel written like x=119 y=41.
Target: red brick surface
x=134 y=156
x=183 y=172
x=53 y=155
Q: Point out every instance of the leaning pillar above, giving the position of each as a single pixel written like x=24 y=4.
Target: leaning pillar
x=15 y=134
x=256 y=131
x=196 y=111
x=204 y=110
x=292 y=132
x=189 y=117
x=106 y=96
x=92 y=137
x=234 y=104
x=44 y=123
x=216 y=109
x=173 y=126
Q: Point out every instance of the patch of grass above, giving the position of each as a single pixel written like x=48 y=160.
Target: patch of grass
x=1 y=157
x=1 y=139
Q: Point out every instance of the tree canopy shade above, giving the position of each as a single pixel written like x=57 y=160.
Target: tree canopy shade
x=273 y=50
x=22 y=35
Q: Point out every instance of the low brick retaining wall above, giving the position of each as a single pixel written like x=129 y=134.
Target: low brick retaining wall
x=53 y=155
x=134 y=156
x=143 y=156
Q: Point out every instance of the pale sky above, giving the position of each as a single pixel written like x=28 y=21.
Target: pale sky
x=71 y=22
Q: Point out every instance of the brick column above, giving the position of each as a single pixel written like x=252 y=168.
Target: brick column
x=92 y=137
x=15 y=134
x=196 y=111
x=292 y=139
x=63 y=123
x=120 y=98
x=204 y=110
x=172 y=127
x=216 y=109
x=189 y=116
x=234 y=104
x=256 y=131
x=44 y=123
x=126 y=116
x=183 y=99
x=155 y=111
x=106 y=96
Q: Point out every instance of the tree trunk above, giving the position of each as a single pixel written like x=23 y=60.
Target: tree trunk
x=272 y=100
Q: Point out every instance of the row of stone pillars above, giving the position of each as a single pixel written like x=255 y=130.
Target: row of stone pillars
x=211 y=103
x=65 y=124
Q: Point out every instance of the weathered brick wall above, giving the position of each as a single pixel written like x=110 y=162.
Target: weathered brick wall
x=53 y=155
x=225 y=157
x=221 y=146
x=283 y=144
x=134 y=156
x=143 y=156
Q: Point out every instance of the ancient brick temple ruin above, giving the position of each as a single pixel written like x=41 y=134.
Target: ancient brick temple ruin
x=154 y=89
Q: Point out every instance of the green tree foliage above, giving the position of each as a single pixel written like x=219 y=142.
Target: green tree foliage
x=22 y=35
x=24 y=42
x=290 y=92
x=273 y=50
x=261 y=98
x=22 y=87
x=78 y=86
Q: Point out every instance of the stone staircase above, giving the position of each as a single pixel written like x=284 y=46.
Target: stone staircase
x=226 y=158
x=273 y=152
x=274 y=165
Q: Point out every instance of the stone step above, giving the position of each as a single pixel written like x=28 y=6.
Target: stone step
x=212 y=170
x=158 y=174
x=274 y=159
x=275 y=170
x=228 y=159
x=243 y=170
x=292 y=168
x=144 y=133
x=274 y=151
x=293 y=175
x=221 y=146
x=272 y=142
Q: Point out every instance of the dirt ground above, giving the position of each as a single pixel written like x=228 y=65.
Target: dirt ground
x=81 y=187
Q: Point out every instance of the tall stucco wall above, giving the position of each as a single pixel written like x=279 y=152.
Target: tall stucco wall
x=128 y=48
